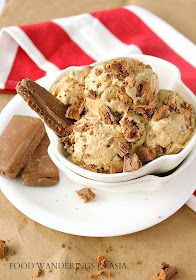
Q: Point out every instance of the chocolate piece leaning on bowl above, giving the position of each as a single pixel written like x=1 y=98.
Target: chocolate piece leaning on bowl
x=40 y=169
x=18 y=142
x=47 y=106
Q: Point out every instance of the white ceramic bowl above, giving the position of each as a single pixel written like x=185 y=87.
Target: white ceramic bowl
x=145 y=183
x=169 y=78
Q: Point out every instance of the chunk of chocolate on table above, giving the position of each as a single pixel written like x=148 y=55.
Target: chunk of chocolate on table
x=3 y=249
x=86 y=193
x=167 y=272
x=18 y=142
x=47 y=106
x=39 y=169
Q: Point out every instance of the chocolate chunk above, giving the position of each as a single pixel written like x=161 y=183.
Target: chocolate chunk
x=110 y=142
x=146 y=154
x=101 y=260
x=146 y=111
x=86 y=193
x=186 y=111
x=131 y=163
x=123 y=150
x=40 y=170
x=39 y=273
x=161 y=112
x=3 y=249
x=95 y=276
x=47 y=106
x=75 y=111
x=92 y=94
x=106 y=115
x=170 y=102
x=130 y=129
x=167 y=272
x=18 y=142
x=118 y=69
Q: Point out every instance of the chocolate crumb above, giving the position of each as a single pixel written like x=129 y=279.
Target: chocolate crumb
x=145 y=111
x=110 y=142
x=186 y=112
x=63 y=245
x=87 y=194
x=130 y=128
x=75 y=111
x=146 y=154
x=123 y=150
x=98 y=273
x=39 y=273
x=118 y=69
x=101 y=260
x=167 y=272
x=161 y=112
x=139 y=262
x=92 y=94
x=131 y=163
x=106 y=115
x=3 y=249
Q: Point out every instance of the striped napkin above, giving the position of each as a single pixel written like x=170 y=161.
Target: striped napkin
x=35 y=50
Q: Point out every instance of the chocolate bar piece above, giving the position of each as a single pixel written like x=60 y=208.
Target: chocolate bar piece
x=3 y=249
x=17 y=143
x=47 y=106
x=39 y=169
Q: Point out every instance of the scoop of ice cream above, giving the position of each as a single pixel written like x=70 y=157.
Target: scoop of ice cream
x=120 y=84
x=169 y=133
x=172 y=123
x=71 y=87
x=95 y=145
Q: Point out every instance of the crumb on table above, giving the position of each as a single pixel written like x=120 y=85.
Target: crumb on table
x=3 y=249
x=86 y=194
x=101 y=260
x=167 y=272
x=39 y=273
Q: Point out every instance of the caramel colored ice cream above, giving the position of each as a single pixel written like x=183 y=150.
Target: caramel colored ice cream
x=121 y=118
x=170 y=133
x=95 y=145
x=120 y=84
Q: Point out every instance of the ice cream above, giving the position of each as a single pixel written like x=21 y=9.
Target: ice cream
x=121 y=119
x=120 y=84
x=95 y=145
x=169 y=131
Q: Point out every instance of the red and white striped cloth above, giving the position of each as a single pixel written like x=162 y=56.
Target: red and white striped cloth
x=34 y=50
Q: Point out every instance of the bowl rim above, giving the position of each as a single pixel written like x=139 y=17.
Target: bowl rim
x=78 y=169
